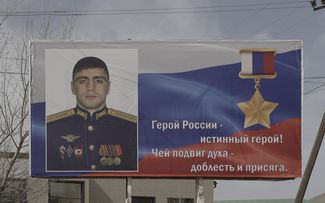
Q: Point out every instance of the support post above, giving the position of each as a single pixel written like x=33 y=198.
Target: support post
x=199 y=198
x=311 y=162
x=128 y=190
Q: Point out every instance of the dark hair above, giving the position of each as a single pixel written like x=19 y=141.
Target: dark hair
x=88 y=63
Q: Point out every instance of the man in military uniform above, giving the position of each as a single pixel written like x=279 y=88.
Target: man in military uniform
x=91 y=136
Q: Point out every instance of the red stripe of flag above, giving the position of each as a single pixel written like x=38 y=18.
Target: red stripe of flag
x=268 y=60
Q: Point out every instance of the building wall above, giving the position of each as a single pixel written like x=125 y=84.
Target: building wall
x=107 y=190
x=37 y=190
x=170 y=188
x=113 y=190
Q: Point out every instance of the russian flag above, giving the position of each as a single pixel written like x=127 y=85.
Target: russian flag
x=257 y=61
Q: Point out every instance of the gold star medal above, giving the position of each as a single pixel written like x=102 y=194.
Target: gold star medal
x=257 y=64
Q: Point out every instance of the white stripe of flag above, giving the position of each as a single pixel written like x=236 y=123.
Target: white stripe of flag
x=246 y=63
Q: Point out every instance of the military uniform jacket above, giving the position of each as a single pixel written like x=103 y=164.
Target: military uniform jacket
x=103 y=141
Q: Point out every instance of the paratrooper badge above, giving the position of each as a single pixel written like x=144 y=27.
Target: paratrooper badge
x=70 y=138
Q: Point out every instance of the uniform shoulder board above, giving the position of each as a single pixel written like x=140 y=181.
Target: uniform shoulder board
x=122 y=115
x=60 y=115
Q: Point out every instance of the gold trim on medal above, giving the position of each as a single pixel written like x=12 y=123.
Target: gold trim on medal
x=117 y=161
x=106 y=161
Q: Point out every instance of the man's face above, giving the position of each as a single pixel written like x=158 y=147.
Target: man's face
x=90 y=87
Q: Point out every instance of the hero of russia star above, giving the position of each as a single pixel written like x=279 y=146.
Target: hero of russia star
x=257 y=110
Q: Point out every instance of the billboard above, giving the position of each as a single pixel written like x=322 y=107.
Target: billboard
x=166 y=109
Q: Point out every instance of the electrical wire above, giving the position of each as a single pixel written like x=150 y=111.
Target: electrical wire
x=280 y=18
x=319 y=80
x=140 y=11
x=294 y=24
x=163 y=9
x=236 y=25
x=314 y=82
x=314 y=89
x=315 y=77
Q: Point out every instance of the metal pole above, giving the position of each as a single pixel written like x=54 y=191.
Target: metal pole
x=128 y=190
x=311 y=162
x=199 y=197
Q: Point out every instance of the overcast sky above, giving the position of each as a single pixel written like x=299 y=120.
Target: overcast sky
x=210 y=20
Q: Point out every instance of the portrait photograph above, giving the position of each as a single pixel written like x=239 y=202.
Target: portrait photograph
x=91 y=110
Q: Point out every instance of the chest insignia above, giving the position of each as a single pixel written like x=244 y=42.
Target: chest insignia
x=69 y=151
x=110 y=154
x=70 y=138
x=78 y=151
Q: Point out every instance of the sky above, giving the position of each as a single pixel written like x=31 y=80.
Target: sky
x=209 y=20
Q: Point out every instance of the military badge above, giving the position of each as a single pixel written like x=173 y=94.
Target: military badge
x=69 y=151
x=62 y=151
x=78 y=151
x=257 y=64
x=70 y=138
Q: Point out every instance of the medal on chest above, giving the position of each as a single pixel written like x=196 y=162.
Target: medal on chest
x=110 y=155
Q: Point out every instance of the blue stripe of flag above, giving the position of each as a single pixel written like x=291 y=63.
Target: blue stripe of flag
x=258 y=63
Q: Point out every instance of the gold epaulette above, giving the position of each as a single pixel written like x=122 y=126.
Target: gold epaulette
x=60 y=115
x=122 y=115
